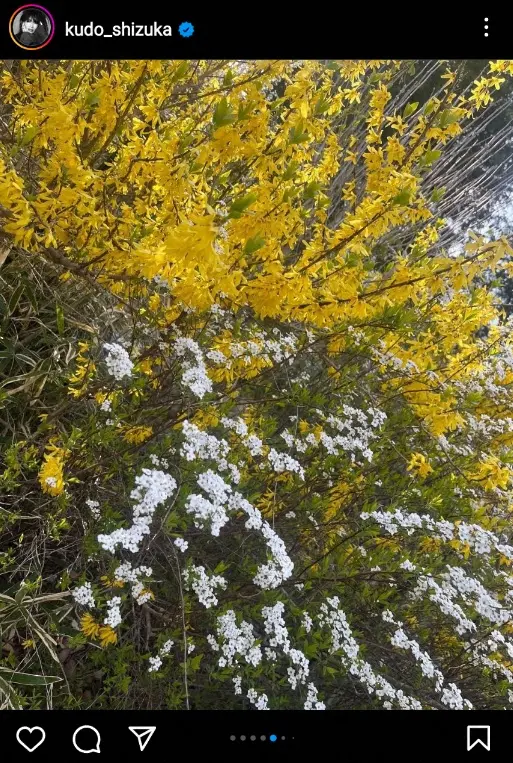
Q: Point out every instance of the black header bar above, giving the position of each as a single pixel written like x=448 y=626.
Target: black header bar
x=110 y=30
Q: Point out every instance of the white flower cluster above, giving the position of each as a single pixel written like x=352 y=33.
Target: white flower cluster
x=156 y=662
x=260 y=702
x=312 y=701
x=351 y=437
x=203 y=586
x=94 y=506
x=118 y=361
x=274 y=626
x=181 y=544
x=481 y=541
x=269 y=575
x=154 y=487
x=236 y=642
x=125 y=573
x=156 y=461
x=236 y=425
x=237 y=680
x=451 y=695
x=195 y=375
x=342 y=640
x=199 y=444
x=114 y=615
x=306 y=622
x=443 y=595
x=282 y=462
x=456 y=582
x=84 y=595
x=254 y=444
x=210 y=513
x=270 y=350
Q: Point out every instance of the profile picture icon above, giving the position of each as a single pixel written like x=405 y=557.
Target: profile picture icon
x=31 y=27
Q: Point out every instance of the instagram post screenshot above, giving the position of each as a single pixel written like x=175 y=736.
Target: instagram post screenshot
x=256 y=381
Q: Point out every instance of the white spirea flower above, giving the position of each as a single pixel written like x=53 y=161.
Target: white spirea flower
x=199 y=444
x=282 y=462
x=343 y=642
x=306 y=622
x=260 y=702
x=203 y=585
x=236 y=642
x=118 y=361
x=94 y=506
x=237 y=680
x=166 y=647
x=236 y=425
x=114 y=615
x=155 y=664
x=153 y=487
x=195 y=375
x=254 y=444
x=181 y=544
x=84 y=595
x=312 y=701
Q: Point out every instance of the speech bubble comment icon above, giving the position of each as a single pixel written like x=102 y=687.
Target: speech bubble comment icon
x=87 y=739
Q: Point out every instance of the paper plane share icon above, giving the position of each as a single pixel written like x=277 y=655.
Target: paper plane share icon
x=143 y=734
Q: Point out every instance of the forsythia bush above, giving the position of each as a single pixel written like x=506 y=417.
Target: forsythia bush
x=271 y=459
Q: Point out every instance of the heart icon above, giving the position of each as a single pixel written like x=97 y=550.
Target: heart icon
x=31 y=744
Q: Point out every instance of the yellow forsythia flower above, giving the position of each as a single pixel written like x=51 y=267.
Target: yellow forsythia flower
x=419 y=464
x=51 y=474
x=107 y=635
x=89 y=626
x=138 y=434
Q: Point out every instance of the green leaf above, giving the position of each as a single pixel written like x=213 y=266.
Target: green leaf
x=28 y=679
x=290 y=171
x=254 y=244
x=244 y=111
x=448 y=117
x=410 y=109
x=312 y=189
x=15 y=298
x=297 y=134
x=402 y=199
x=29 y=135
x=223 y=115
x=179 y=73
x=321 y=105
x=195 y=662
x=438 y=194
x=228 y=78
x=240 y=205
x=92 y=99
x=430 y=157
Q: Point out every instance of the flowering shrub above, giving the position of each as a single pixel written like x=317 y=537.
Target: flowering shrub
x=283 y=450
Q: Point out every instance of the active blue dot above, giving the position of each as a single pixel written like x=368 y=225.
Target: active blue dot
x=273 y=738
